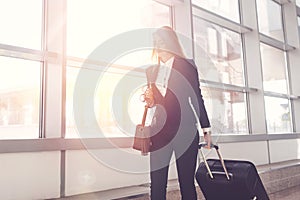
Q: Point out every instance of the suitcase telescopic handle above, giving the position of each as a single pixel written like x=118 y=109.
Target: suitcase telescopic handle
x=204 y=144
x=220 y=157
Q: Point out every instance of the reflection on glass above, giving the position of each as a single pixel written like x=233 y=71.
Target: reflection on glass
x=21 y=23
x=274 y=69
x=270 y=19
x=218 y=53
x=91 y=22
x=278 y=115
x=117 y=103
x=228 y=9
x=116 y=113
x=298 y=3
x=19 y=98
x=71 y=75
x=226 y=110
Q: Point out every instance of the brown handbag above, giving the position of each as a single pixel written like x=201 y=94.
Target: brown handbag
x=142 y=140
x=142 y=136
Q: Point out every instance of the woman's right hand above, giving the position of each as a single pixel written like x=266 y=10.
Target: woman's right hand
x=149 y=97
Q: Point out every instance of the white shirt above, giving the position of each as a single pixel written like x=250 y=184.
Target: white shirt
x=163 y=76
x=161 y=82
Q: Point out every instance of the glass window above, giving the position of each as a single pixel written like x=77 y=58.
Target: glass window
x=227 y=111
x=298 y=3
x=115 y=119
x=91 y=22
x=270 y=19
x=218 y=53
x=278 y=115
x=21 y=23
x=274 y=69
x=19 y=98
x=228 y=9
x=71 y=74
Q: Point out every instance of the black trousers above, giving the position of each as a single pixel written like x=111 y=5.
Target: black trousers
x=185 y=164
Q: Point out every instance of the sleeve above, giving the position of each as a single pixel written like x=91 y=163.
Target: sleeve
x=203 y=118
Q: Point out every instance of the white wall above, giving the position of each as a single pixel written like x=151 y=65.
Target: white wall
x=30 y=175
x=282 y=150
x=37 y=175
x=98 y=170
x=90 y=171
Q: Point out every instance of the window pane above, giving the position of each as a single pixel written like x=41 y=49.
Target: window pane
x=21 y=23
x=226 y=110
x=71 y=74
x=298 y=3
x=270 y=19
x=228 y=9
x=277 y=115
x=274 y=69
x=112 y=116
x=218 y=53
x=91 y=22
x=19 y=98
x=138 y=14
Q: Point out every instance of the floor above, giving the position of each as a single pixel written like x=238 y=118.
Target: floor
x=289 y=194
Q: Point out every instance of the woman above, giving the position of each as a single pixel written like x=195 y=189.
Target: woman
x=173 y=126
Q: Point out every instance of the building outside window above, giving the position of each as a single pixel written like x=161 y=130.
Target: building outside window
x=274 y=69
x=228 y=9
x=19 y=98
x=277 y=105
x=219 y=57
x=270 y=19
x=20 y=79
x=278 y=116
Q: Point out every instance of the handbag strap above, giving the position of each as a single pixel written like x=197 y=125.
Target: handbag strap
x=144 y=115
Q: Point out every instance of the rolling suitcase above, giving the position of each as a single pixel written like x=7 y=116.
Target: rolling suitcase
x=229 y=179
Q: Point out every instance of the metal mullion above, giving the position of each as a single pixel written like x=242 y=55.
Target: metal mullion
x=240 y=12
x=172 y=16
x=289 y=89
x=246 y=82
x=275 y=94
x=286 y=54
x=226 y=86
x=28 y=54
x=275 y=43
x=292 y=115
x=42 y=73
x=21 y=52
x=281 y=2
x=64 y=74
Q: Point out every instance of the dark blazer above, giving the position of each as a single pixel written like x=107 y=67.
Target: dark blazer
x=173 y=117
